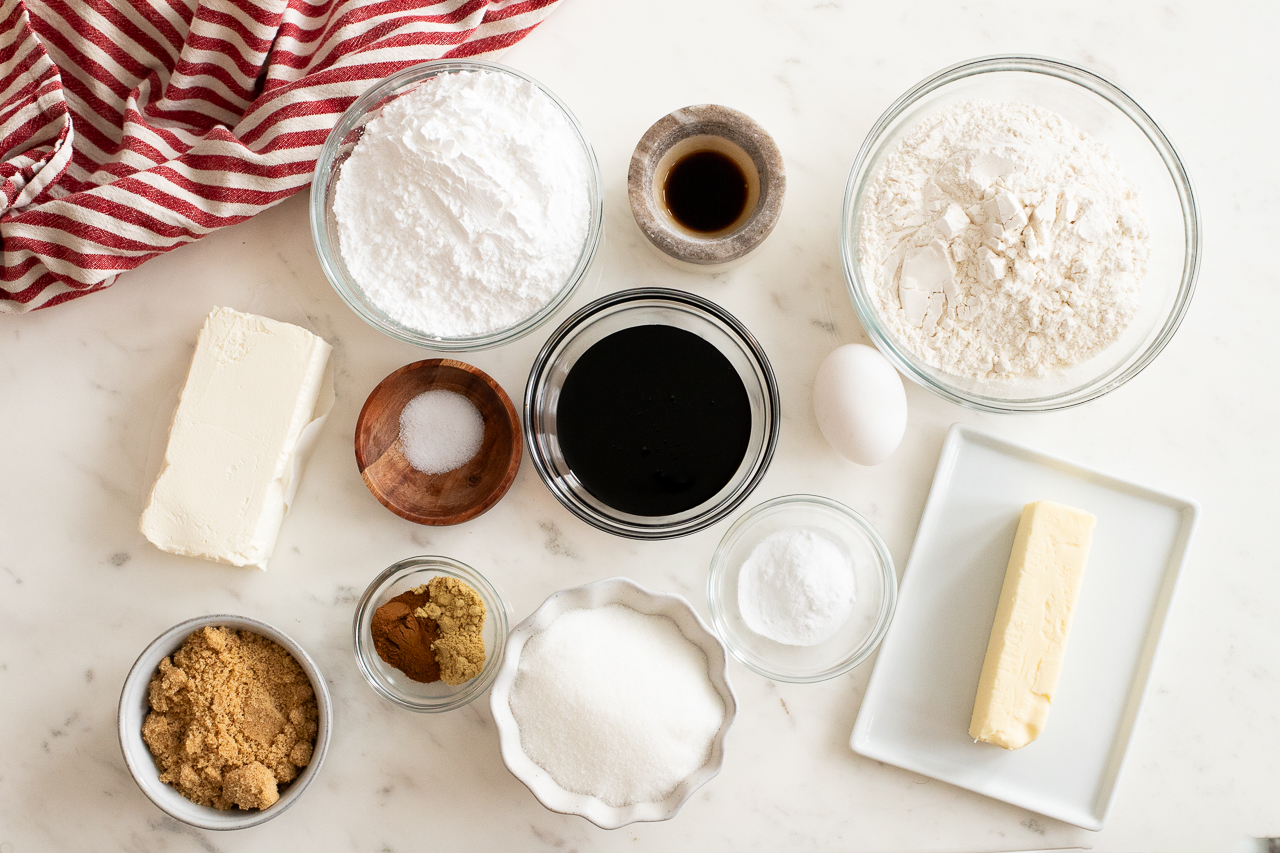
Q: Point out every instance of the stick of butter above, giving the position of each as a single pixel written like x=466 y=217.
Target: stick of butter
x=1029 y=635
x=251 y=391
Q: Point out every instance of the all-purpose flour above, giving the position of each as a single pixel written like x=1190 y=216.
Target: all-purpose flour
x=1000 y=240
x=464 y=206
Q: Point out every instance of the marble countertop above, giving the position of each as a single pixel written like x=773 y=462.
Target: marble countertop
x=86 y=391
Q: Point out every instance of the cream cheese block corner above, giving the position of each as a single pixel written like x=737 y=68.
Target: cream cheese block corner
x=251 y=390
x=1029 y=635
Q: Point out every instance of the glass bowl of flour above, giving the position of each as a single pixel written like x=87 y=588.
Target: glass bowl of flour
x=801 y=589
x=457 y=205
x=1018 y=235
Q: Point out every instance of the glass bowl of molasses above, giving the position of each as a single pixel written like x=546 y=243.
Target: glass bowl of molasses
x=651 y=413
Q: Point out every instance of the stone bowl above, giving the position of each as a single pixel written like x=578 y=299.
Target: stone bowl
x=706 y=127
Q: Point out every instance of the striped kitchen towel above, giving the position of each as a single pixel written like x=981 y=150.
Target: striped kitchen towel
x=131 y=127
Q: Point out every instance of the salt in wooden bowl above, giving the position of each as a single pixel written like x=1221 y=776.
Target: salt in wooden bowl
x=453 y=496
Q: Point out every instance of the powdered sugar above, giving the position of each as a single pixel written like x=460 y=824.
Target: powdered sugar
x=999 y=240
x=464 y=207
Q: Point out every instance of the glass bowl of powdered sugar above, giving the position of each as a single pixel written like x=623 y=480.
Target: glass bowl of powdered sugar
x=1018 y=235
x=457 y=205
x=801 y=589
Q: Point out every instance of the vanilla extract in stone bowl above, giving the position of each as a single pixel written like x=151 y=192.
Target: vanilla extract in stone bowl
x=706 y=191
x=651 y=413
x=706 y=185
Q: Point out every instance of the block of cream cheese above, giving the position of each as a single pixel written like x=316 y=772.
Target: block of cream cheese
x=1029 y=635
x=251 y=392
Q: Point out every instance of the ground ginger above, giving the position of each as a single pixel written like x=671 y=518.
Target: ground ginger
x=459 y=612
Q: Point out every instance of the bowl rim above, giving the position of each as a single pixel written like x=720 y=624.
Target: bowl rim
x=538 y=373
x=718 y=568
x=328 y=255
x=512 y=421
x=467 y=692
x=545 y=789
x=135 y=757
x=1118 y=98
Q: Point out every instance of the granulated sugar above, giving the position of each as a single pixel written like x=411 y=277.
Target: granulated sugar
x=440 y=431
x=615 y=704
x=464 y=207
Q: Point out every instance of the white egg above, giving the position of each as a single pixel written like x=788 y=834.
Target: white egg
x=860 y=404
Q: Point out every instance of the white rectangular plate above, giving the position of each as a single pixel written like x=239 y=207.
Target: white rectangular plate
x=920 y=698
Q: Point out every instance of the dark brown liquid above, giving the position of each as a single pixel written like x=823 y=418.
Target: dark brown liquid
x=653 y=420
x=706 y=191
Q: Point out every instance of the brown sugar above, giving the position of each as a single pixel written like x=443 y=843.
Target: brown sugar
x=403 y=639
x=460 y=613
x=233 y=717
x=252 y=786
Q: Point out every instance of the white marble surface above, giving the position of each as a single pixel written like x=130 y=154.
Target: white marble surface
x=86 y=389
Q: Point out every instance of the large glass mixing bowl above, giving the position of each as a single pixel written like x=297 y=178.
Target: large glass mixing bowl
x=1145 y=155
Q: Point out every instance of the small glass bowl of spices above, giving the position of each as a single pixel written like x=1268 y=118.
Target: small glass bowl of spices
x=801 y=589
x=429 y=633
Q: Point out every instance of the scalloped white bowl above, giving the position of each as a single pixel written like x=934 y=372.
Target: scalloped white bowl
x=592 y=595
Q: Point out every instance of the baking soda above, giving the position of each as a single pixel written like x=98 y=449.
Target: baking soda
x=796 y=587
x=616 y=704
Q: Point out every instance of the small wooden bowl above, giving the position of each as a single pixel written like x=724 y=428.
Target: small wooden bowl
x=454 y=496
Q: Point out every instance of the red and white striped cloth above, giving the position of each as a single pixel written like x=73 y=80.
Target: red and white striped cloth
x=131 y=127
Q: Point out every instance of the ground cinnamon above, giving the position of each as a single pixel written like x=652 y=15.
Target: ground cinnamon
x=404 y=640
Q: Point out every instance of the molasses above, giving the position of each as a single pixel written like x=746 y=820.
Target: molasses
x=653 y=420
